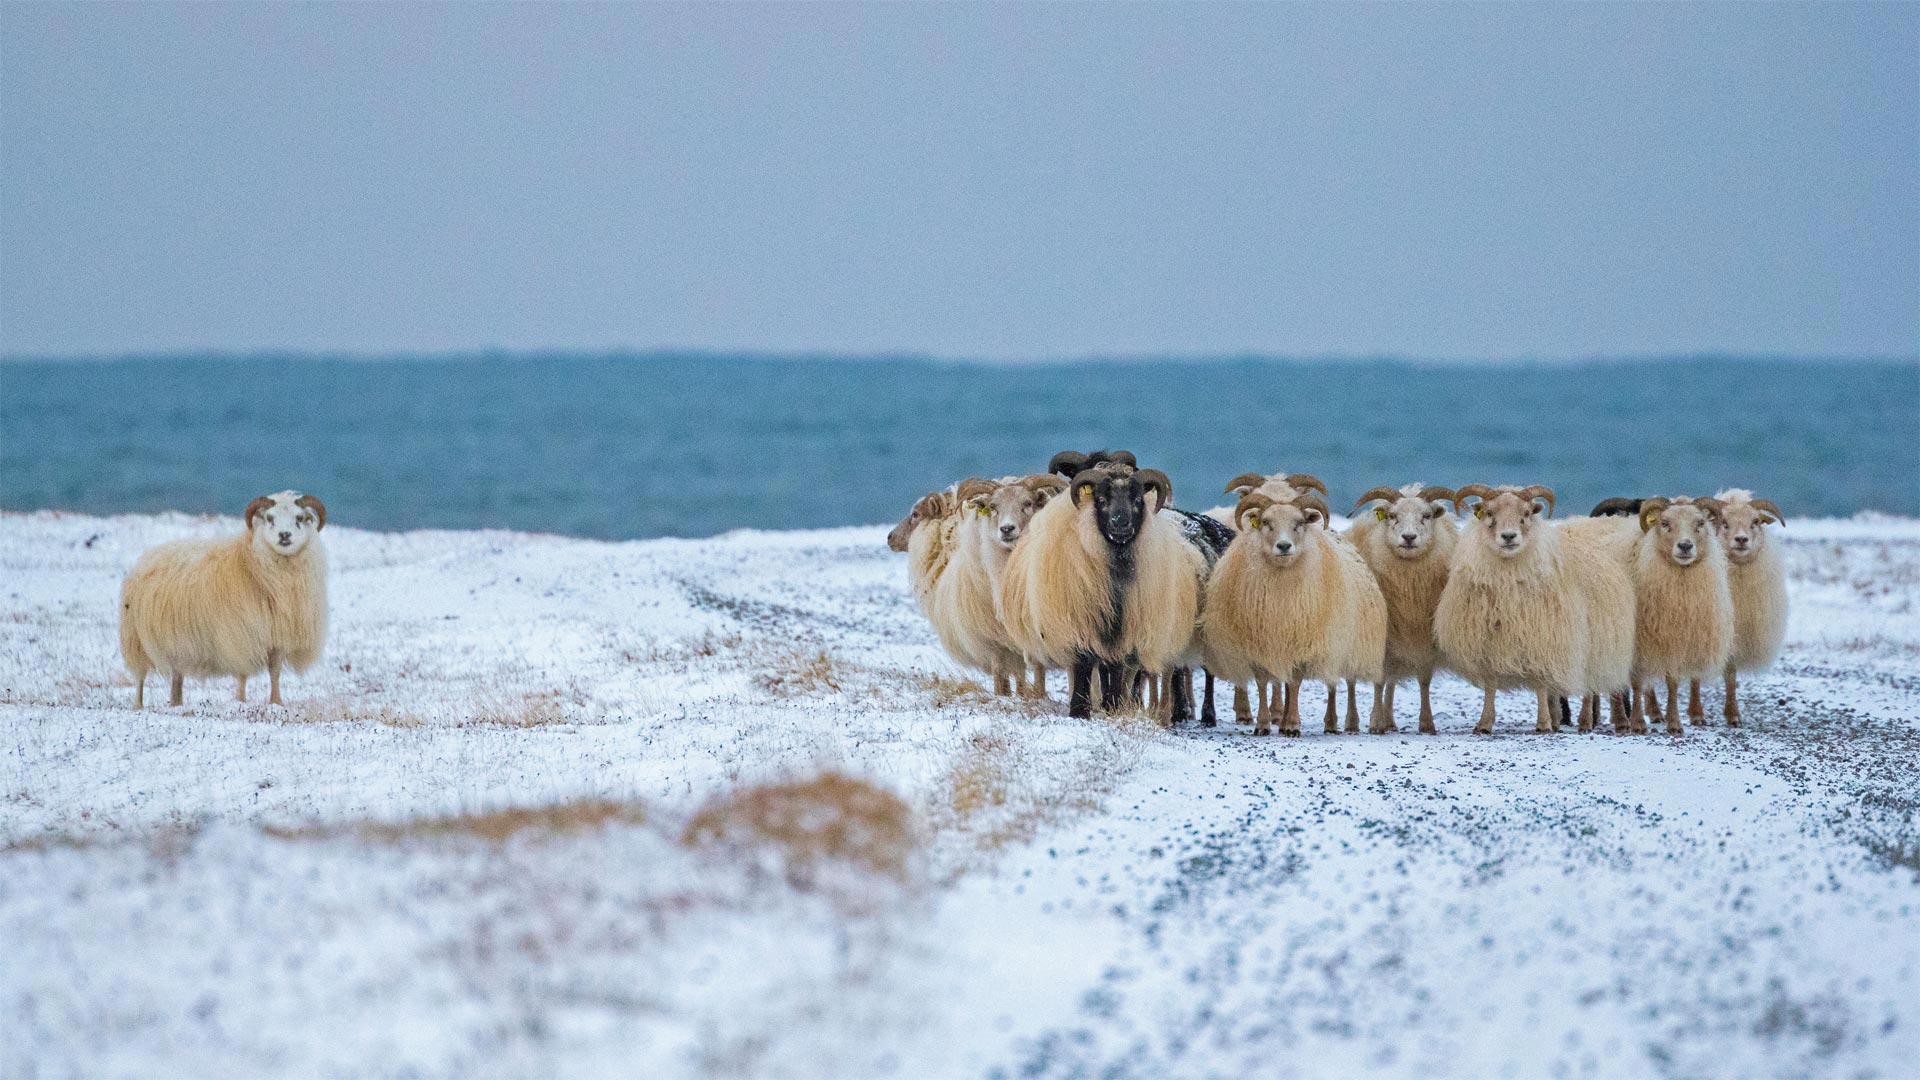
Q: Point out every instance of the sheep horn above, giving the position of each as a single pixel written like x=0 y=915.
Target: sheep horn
x=1714 y=508
x=1085 y=478
x=319 y=510
x=1252 y=500
x=1650 y=511
x=1767 y=505
x=255 y=507
x=1302 y=480
x=1610 y=507
x=1067 y=464
x=1314 y=502
x=1387 y=493
x=1436 y=493
x=973 y=486
x=1245 y=480
x=1158 y=481
x=1115 y=457
x=1538 y=491
x=1472 y=491
x=1044 y=484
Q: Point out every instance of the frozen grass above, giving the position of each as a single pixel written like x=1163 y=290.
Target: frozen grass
x=721 y=808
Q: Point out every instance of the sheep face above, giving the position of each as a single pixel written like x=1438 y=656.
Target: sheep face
x=1120 y=499
x=1509 y=522
x=1007 y=510
x=284 y=523
x=932 y=505
x=1281 y=529
x=1744 y=526
x=1685 y=530
x=1408 y=523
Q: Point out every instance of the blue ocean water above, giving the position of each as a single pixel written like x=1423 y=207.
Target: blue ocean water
x=625 y=446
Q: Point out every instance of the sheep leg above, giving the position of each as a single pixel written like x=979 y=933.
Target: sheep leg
x=1111 y=677
x=178 y=695
x=1353 y=707
x=1485 y=726
x=1181 y=693
x=1694 y=712
x=1377 y=721
x=1652 y=696
x=240 y=694
x=273 y=678
x=1547 y=717
x=1645 y=705
x=1673 y=705
x=1333 y=707
x=1732 y=709
x=1208 y=718
x=1242 y=708
x=1263 y=724
x=139 y=689
x=1293 y=709
x=1426 y=705
x=1622 y=708
x=1386 y=703
x=1080 y=687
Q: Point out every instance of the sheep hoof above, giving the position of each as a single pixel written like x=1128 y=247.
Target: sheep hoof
x=1291 y=733
x=1427 y=728
x=1262 y=731
x=1483 y=729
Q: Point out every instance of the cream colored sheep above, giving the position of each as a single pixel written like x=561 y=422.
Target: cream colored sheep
x=1103 y=577
x=1285 y=604
x=992 y=518
x=1408 y=542
x=1757 y=581
x=1530 y=605
x=210 y=608
x=1684 y=625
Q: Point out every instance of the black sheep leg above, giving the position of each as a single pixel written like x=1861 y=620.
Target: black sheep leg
x=1113 y=687
x=1080 y=694
x=1207 y=718
x=1182 y=695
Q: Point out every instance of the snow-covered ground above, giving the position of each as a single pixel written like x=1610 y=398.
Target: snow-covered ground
x=553 y=806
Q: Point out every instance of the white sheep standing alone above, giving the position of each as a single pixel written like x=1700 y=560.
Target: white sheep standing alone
x=1408 y=542
x=1757 y=580
x=1683 y=628
x=208 y=608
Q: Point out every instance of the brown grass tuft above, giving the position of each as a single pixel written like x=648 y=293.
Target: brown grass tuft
x=830 y=820
x=797 y=674
x=495 y=826
x=523 y=710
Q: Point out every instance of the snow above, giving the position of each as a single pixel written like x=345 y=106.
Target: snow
x=230 y=888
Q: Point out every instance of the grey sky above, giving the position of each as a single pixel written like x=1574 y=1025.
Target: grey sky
x=1002 y=181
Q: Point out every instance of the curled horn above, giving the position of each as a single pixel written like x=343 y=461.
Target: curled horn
x=1085 y=478
x=1650 y=511
x=1303 y=481
x=1538 y=491
x=1472 y=491
x=1157 y=480
x=1248 y=480
x=1067 y=464
x=1714 y=508
x=1767 y=505
x=255 y=507
x=935 y=504
x=972 y=487
x=1314 y=502
x=1436 y=493
x=1114 y=457
x=1387 y=493
x=1046 y=484
x=1252 y=500
x=319 y=510
x=1611 y=507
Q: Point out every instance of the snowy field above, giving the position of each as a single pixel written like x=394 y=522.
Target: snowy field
x=722 y=808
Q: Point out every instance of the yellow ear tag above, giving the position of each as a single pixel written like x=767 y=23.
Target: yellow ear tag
x=1253 y=521
x=1379 y=513
x=1086 y=491
x=1479 y=511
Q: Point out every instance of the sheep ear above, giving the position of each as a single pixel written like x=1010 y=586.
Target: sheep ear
x=1314 y=517
x=256 y=507
x=319 y=510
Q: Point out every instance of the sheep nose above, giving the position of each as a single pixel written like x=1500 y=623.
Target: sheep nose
x=1509 y=537
x=1684 y=546
x=285 y=536
x=1008 y=532
x=1409 y=537
x=1284 y=547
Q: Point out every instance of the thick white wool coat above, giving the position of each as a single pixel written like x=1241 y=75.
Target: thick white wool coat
x=1322 y=618
x=206 y=608
x=1683 y=628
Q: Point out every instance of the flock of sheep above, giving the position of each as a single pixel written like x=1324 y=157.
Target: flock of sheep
x=1113 y=581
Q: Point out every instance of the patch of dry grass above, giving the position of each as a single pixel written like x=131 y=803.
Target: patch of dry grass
x=494 y=826
x=814 y=826
x=340 y=710
x=800 y=673
x=525 y=709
